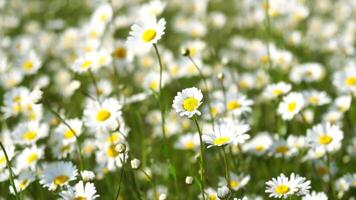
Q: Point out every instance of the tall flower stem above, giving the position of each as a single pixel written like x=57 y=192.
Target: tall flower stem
x=149 y=178
x=11 y=174
x=206 y=89
x=79 y=148
x=202 y=172
x=121 y=177
x=268 y=30
x=163 y=124
x=331 y=188
x=95 y=85
x=227 y=171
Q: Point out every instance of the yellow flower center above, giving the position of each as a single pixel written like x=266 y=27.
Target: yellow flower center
x=60 y=180
x=350 y=81
x=282 y=189
x=292 y=106
x=259 y=148
x=113 y=138
x=325 y=139
x=282 y=149
x=80 y=198
x=354 y=183
x=120 y=52
x=221 y=140
x=27 y=65
x=148 y=35
x=264 y=59
x=189 y=145
x=68 y=134
x=232 y=105
x=212 y=197
x=277 y=92
x=153 y=85
x=23 y=184
x=190 y=104
x=32 y=157
x=2 y=159
x=86 y=64
x=313 y=100
x=29 y=135
x=234 y=184
x=103 y=115
x=111 y=151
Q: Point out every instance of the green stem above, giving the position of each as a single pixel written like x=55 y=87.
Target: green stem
x=149 y=178
x=227 y=171
x=206 y=89
x=202 y=172
x=121 y=177
x=79 y=148
x=95 y=85
x=11 y=175
x=331 y=188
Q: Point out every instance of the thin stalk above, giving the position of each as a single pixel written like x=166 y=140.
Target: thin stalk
x=11 y=174
x=227 y=171
x=268 y=27
x=135 y=185
x=202 y=172
x=206 y=89
x=95 y=85
x=331 y=188
x=149 y=178
x=121 y=177
x=79 y=148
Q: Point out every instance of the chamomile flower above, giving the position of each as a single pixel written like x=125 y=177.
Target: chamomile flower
x=187 y=101
x=81 y=190
x=58 y=174
x=65 y=134
x=345 y=80
x=30 y=63
x=275 y=90
x=290 y=105
x=302 y=185
x=326 y=136
x=315 y=196
x=110 y=156
x=145 y=33
x=23 y=181
x=343 y=103
x=103 y=116
x=102 y=14
x=29 y=157
x=226 y=132
x=85 y=62
x=280 y=148
x=30 y=132
x=259 y=144
x=188 y=141
x=280 y=187
x=238 y=104
x=316 y=98
x=236 y=181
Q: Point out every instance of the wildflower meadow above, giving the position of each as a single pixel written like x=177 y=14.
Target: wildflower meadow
x=177 y=99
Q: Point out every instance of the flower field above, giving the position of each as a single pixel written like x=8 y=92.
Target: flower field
x=178 y=99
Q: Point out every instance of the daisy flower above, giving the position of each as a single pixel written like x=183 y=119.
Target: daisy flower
x=276 y=90
x=326 y=136
x=259 y=144
x=188 y=141
x=85 y=62
x=315 y=196
x=280 y=187
x=238 y=104
x=226 y=132
x=290 y=105
x=280 y=148
x=301 y=184
x=345 y=80
x=30 y=132
x=85 y=191
x=316 y=98
x=102 y=117
x=236 y=181
x=343 y=103
x=23 y=181
x=30 y=63
x=103 y=14
x=58 y=174
x=145 y=33
x=29 y=156
x=187 y=102
x=65 y=135
x=110 y=156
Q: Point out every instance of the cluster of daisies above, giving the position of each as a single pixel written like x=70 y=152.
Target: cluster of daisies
x=146 y=99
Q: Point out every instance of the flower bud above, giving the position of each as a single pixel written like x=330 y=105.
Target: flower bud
x=135 y=163
x=189 y=180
